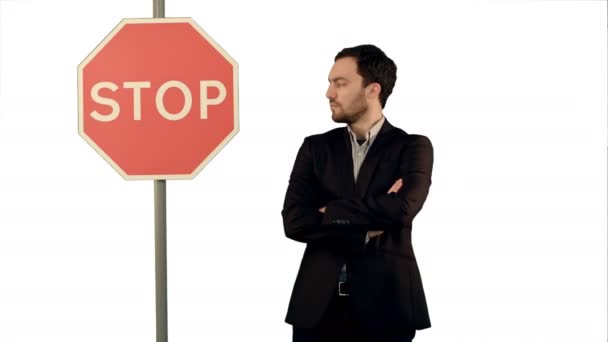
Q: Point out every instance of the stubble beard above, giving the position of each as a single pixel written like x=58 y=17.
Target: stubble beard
x=340 y=115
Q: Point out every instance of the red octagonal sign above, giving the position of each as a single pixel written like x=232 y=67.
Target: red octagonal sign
x=158 y=98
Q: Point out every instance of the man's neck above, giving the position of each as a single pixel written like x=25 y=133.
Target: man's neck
x=363 y=126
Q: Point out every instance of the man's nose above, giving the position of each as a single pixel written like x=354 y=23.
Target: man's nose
x=330 y=93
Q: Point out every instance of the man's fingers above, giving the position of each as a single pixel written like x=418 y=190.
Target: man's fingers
x=396 y=186
x=322 y=210
x=399 y=185
x=374 y=233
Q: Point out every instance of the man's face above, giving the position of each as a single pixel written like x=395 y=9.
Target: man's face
x=346 y=94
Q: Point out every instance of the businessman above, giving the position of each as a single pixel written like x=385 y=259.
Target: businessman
x=352 y=196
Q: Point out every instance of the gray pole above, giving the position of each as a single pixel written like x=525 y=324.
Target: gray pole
x=160 y=246
x=159 y=8
x=160 y=233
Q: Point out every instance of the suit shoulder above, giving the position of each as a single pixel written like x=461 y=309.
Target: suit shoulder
x=412 y=138
x=420 y=139
x=325 y=137
x=417 y=142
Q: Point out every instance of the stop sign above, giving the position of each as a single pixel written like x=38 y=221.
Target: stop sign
x=158 y=98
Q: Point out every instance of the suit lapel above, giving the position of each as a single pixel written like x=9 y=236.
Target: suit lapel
x=341 y=151
x=372 y=158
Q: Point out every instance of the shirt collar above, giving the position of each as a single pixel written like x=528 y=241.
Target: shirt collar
x=371 y=135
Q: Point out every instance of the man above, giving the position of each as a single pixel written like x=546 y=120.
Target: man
x=352 y=196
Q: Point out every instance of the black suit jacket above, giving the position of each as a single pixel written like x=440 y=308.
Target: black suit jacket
x=385 y=281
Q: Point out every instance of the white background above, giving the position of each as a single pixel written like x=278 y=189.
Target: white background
x=511 y=242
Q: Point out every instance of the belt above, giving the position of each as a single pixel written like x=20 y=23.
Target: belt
x=343 y=289
x=343 y=286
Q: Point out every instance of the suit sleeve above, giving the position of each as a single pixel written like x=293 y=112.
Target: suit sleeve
x=396 y=210
x=302 y=220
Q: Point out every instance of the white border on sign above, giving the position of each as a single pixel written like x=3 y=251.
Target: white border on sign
x=103 y=43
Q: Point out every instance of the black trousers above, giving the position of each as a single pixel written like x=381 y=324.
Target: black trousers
x=340 y=323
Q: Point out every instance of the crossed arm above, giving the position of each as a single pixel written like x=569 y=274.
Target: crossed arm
x=373 y=233
x=348 y=221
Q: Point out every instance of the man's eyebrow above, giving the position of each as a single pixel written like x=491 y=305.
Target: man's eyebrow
x=336 y=79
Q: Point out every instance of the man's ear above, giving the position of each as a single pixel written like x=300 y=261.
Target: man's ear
x=374 y=89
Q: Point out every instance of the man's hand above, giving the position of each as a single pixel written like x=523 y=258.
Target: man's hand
x=373 y=233
x=396 y=187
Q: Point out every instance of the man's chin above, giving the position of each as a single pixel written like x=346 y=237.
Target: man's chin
x=338 y=117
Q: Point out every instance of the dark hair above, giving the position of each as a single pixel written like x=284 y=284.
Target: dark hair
x=374 y=66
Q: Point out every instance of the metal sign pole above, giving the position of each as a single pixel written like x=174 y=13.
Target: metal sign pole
x=160 y=247
x=160 y=233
